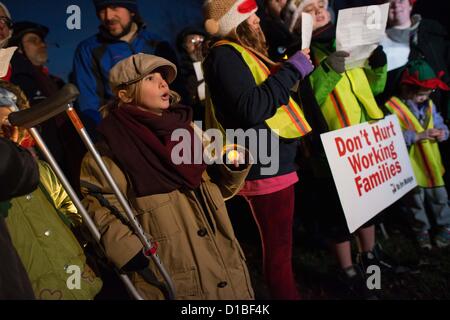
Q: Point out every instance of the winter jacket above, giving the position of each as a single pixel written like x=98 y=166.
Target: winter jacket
x=196 y=242
x=94 y=58
x=353 y=91
x=19 y=175
x=319 y=92
x=39 y=224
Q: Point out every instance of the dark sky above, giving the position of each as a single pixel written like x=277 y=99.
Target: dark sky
x=165 y=17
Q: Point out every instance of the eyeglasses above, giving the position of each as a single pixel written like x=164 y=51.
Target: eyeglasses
x=5 y=21
x=197 y=40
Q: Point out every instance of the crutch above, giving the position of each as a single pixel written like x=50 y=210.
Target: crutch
x=62 y=101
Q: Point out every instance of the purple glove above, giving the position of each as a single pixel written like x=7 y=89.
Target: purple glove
x=301 y=63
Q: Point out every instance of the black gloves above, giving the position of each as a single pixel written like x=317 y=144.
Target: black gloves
x=138 y=262
x=378 y=58
x=336 y=61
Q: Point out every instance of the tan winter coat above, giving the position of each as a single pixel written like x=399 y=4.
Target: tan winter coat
x=196 y=241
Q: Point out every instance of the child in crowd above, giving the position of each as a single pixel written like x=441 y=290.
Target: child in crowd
x=181 y=206
x=423 y=128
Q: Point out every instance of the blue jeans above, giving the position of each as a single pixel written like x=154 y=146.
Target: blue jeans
x=415 y=203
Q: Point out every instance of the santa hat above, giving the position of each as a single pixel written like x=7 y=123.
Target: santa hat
x=223 y=16
x=294 y=9
x=419 y=73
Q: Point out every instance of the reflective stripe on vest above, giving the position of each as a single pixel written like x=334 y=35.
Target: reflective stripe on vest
x=342 y=107
x=289 y=121
x=424 y=155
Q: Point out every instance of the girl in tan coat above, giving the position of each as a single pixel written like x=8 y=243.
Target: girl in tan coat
x=181 y=207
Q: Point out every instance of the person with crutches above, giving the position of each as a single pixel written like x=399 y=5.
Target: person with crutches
x=181 y=206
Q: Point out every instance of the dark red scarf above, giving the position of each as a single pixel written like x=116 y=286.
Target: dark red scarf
x=141 y=143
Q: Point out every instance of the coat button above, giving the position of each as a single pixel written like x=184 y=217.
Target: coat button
x=202 y=232
x=29 y=197
x=222 y=284
x=47 y=233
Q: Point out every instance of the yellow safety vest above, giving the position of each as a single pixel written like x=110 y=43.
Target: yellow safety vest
x=289 y=120
x=425 y=156
x=342 y=107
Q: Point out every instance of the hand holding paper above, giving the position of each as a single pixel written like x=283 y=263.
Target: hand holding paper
x=336 y=61
x=359 y=31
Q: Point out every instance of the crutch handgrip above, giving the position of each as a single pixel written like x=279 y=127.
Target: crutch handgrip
x=46 y=109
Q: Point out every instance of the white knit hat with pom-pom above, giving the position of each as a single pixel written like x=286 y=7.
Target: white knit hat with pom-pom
x=222 y=16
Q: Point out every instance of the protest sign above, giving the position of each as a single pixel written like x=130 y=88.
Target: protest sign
x=370 y=167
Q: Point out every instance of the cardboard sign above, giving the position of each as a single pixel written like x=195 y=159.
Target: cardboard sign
x=370 y=167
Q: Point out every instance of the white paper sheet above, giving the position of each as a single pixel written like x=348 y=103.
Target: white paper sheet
x=359 y=30
x=5 y=58
x=201 y=90
x=198 y=70
x=307 y=29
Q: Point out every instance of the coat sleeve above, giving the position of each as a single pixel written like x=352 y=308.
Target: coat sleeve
x=118 y=240
x=323 y=81
x=230 y=181
x=19 y=172
x=377 y=79
x=61 y=200
x=87 y=79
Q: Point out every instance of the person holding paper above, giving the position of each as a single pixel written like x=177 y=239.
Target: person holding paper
x=344 y=98
x=250 y=92
x=423 y=128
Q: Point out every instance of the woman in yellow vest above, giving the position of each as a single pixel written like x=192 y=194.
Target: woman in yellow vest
x=423 y=128
x=248 y=92
x=344 y=98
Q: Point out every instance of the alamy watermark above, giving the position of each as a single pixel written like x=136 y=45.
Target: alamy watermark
x=260 y=146
x=373 y=280
x=73 y=282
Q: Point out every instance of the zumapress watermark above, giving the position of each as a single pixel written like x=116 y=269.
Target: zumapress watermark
x=257 y=146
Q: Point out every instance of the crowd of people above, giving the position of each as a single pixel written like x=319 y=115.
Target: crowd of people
x=245 y=69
